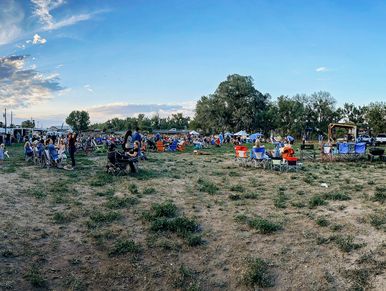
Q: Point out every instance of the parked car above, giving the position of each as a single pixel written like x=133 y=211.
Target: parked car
x=381 y=138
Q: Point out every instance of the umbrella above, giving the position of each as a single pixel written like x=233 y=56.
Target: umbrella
x=255 y=135
x=241 y=133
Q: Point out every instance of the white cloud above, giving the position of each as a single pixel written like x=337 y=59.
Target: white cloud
x=22 y=86
x=321 y=70
x=104 y=112
x=43 y=8
x=88 y=88
x=11 y=16
x=38 y=39
x=68 y=21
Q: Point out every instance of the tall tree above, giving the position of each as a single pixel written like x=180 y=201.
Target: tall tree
x=375 y=117
x=78 y=120
x=28 y=124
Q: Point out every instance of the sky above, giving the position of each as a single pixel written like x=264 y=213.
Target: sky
x=124 y=57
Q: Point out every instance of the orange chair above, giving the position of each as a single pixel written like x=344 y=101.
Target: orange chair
x=181 y=147
x=160 y=146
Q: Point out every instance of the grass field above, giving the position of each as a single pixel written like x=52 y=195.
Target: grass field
x=190 y=222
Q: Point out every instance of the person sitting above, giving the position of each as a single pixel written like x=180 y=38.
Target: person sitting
x=287 y=151
x=62 y=149
x=52 y=151
x=28 y=151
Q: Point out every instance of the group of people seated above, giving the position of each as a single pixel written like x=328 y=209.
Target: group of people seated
x=281 y=150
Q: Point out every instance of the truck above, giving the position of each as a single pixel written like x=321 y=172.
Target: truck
x=380 y=139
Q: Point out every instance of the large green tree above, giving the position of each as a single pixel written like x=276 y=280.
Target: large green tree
x=28 y=124
x=235 y=105
x=375 y=117
x=78 y=120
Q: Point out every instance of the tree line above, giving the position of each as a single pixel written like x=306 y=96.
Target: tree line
x=237 y=105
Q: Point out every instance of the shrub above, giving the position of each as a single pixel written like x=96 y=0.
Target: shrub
x=259 y=274
x=336 y=196
x=206 y=186
x=264 y=226
x=124 y=247
x=316 y=201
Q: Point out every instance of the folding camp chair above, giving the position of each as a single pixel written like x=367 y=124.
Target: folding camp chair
x=360 y=150
x=241 y=155
x=173 y=146
x=277 y=164
x=160 y=146
x=291 y=164
x=258 y=157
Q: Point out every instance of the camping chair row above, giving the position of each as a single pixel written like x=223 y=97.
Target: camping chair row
x=258 y=158
x=344 y=151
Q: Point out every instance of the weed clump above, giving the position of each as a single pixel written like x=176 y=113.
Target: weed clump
x=207 y=186
x=262 y=225
x=117 y=202
x=98 y=218
x=338 y=196
x=322 y=221
x=164 y=217
x=125 y=246
x=259 y=274
x=379 y=195
x=346 y=243
x=35 y=277
x=316 y=201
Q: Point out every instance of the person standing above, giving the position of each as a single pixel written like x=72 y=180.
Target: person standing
x=72 y=147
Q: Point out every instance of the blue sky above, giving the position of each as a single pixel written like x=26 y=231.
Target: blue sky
x=124 y=57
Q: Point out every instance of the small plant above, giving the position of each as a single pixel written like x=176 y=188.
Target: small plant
x=280 y=200
x=316 y=201
x=378 y=220
x=37 y=193
x=125 y=246
x=35 y=277
x=322 y=221
x=165 y=209
x=379 y=195
x=264 y=226
x=148 y=191
x=259 y=274
x=115 y=202
x=233 y=196
x=60 y=217
x=97 y=218
x=237 y=188
x=251 y=195
x=346 y=243
x=206 y=186
x=133 y=189
x=336 y=196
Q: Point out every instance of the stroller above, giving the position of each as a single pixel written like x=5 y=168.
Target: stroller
x=120 y=164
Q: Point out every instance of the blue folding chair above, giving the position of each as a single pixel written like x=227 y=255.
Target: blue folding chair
x=258 y=157
x=173 y=146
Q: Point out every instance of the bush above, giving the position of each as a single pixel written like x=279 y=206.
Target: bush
x=259 y=274
x=124 y=247
x=264 y=226
x=316 y=201
x=336 y=196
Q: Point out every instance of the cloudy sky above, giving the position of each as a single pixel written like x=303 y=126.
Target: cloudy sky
x=124 y=57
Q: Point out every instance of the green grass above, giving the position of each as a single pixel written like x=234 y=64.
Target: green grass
x=165 y=209
x=101 y=179
x=61 y=217
x=346 y=243
x=149 y=190
x=259 y=274
x=37 y=193
x=35 y=277
x=264 y=226
x=98 y=218
x=133 y=189
x=378 y=220
x=115 y=202
x=316 y=201
x=125 y=246
x=280 y=201
x=322 y=221
x=206 y=186
x=337 y=196
x=379 y=195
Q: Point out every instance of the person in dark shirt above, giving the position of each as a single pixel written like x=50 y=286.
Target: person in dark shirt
x=72 y=147
x=133 y=154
